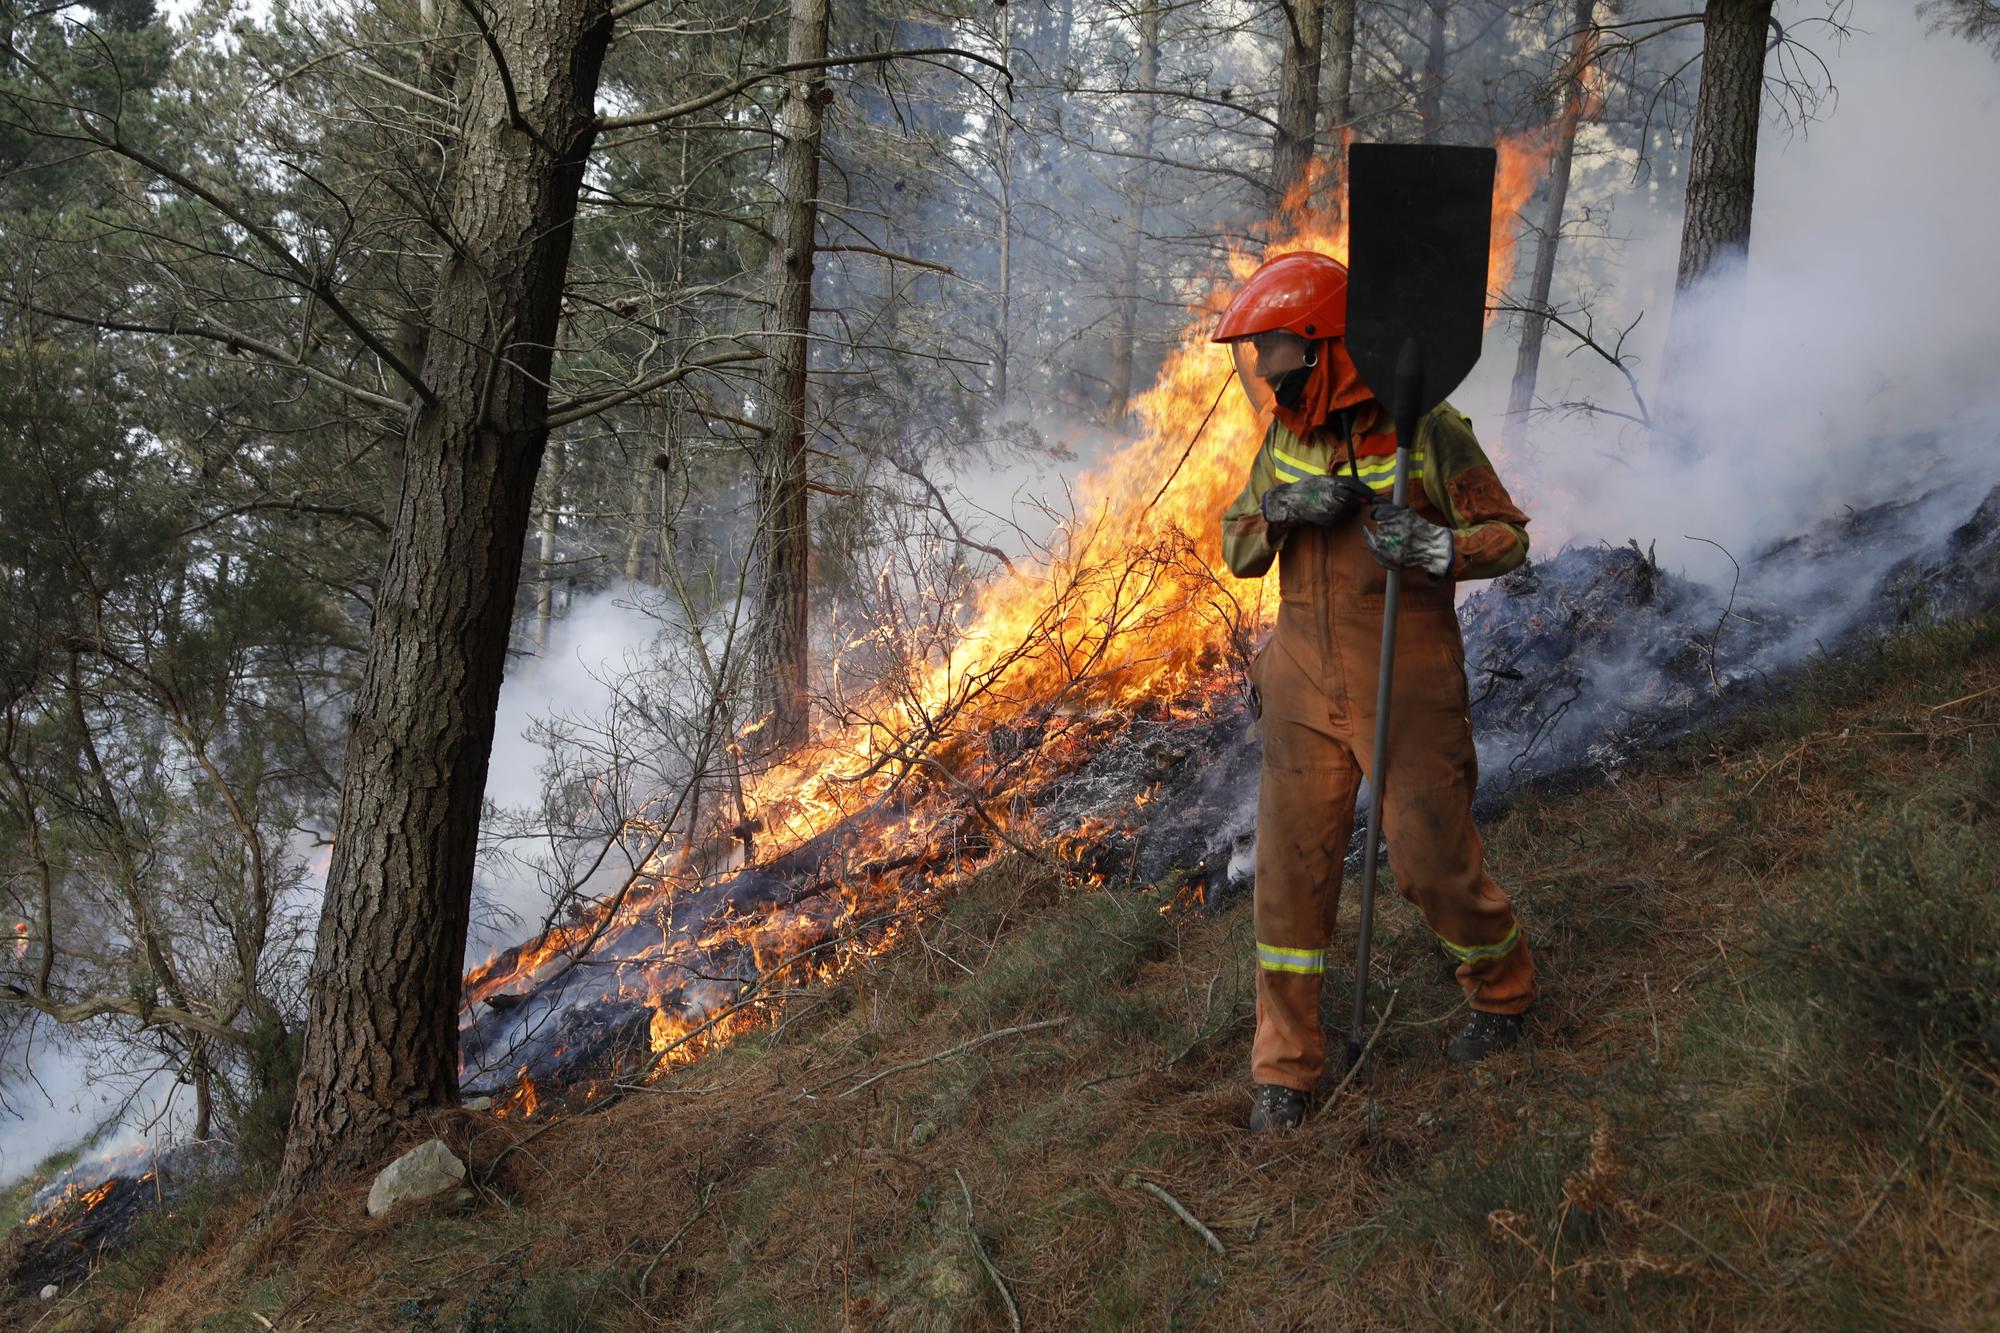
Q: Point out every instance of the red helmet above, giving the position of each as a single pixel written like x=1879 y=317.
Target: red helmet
x=1301 y=292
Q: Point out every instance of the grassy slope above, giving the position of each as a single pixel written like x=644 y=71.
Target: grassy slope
x=1759 y=1092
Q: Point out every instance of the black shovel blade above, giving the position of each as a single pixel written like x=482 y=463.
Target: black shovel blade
x=1420 y=219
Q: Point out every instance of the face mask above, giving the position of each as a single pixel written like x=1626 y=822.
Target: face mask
x=1290 y=389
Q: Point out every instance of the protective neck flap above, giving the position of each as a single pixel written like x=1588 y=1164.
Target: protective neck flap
x=1331 y=385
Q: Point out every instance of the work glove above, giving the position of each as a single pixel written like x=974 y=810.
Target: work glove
x=1401 y=539
x=1321 y=500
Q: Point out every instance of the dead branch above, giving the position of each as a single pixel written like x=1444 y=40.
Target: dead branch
x=701 y=1211
x=514 y=116
x=1715 y=639
x=1192 y=441
x=749 y=81
x=1367 y=1049
x=577 y=409
x=985 y=1262
x=236 y=341
x=959 y=1049
x=1895 y=1177
x=1962 y=699
x=889 y=255
x=148 y=1014
x=1586 y=337
x=1132 y=1181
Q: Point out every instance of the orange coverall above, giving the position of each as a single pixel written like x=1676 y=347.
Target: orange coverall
x=1317 y=680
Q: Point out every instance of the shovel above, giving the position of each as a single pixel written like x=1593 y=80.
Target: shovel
x=1419 y=223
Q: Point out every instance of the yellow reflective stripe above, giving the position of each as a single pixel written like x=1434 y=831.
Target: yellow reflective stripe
x=1299 y=463
x=1283 y=475
x=1275 y=958
x=1478 y=953
x=1382 y=474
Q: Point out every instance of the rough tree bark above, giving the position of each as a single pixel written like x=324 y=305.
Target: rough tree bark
x=1722 y=183
x=381 y=1041
x=1430 y=91
x=1340 y=64
x=781 y=491
x=1302 y=37
x=1722 y=159
x=1528 y=357
x=1133 y=231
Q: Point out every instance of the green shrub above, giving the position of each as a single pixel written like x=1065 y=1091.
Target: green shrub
x=265 y=1116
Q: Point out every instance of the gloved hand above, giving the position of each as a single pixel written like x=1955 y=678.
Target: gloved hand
x=1401 y=539
x=1322 y=500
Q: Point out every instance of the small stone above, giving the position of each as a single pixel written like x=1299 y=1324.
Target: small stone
x=422 y=1173
x=479 y=1104
x=51 y=1291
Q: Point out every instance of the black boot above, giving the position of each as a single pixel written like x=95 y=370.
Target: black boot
x=1274 y=1106
x=1484 y=1034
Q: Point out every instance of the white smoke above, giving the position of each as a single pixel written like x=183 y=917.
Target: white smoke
x=60 y=1098
x=1854 y=362
x=590 y=650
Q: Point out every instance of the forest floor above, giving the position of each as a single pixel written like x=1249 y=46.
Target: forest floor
x=1759 y=1091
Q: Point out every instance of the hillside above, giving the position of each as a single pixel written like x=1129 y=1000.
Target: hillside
x=1760 y=1090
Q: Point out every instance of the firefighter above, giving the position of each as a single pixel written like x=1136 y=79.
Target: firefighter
x=1316 y=503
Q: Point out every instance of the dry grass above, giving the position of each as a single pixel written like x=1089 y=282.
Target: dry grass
x=1698 y=1135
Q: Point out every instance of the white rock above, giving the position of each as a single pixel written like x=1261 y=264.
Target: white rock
x=478 y=1104
x=51 y=1291
x=422 y=1173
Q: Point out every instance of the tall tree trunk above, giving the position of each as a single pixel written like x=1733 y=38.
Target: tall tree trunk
x=1302 y=36
x=1430 y=92
x=1340 y=64
x=1528 y=357
x=1722 y=185
x=1722 y=160
x=545 y=587
x=381 y=1038
x=1004 y=223
x=1133 y=231
x=781 y=492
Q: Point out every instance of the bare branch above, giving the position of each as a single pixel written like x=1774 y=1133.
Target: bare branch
x=149 y=1015
x=578 y=408
x=748 y=81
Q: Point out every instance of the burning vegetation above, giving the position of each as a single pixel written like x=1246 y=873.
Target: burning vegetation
x=986 y=737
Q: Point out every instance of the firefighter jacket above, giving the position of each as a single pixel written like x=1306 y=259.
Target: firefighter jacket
x=1451 y=482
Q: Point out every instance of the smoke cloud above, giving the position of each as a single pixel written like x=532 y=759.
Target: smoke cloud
x=1852 y=362
x=598 y=642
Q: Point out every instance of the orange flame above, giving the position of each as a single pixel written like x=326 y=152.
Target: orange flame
x=1039 y=631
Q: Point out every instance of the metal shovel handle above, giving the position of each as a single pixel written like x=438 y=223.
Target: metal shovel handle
x=1409 y=378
